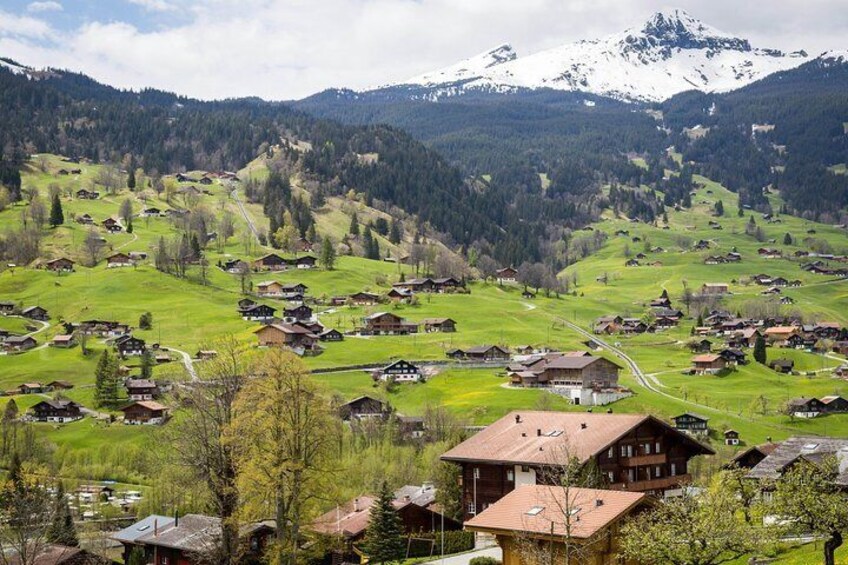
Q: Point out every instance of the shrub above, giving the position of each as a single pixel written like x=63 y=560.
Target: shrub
x=484 y=561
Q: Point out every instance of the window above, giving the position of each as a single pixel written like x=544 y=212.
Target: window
x=631 y=475
x=510 y=475
x=471 y=508
x=525 y=469
x=647 y=448
x=611 y=476
x=674 y=469
x=657 y=447
x=610 y=453
x=476 y=472
x=657 y=472
x=535 y=511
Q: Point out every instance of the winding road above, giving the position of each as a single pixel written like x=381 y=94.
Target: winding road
x=188 y=362
x=234 y=195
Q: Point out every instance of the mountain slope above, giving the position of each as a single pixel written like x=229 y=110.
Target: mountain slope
x=670 y=53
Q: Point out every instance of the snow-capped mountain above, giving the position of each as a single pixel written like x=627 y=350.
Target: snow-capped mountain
x=670 y=53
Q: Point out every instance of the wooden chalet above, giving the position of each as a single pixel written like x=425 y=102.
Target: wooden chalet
x=30 y=388
x=400 y=295
x=56 y=554
x=480 y=353
x=297 y=313
x=84 y=194
x=293 y=336
x=59 y=385
x=19 y=343
x=304 y=262
x=749 y=458
x=364 y=407
x=632 y=452
x=780 y=335
x=257 y=312
x=439 y=325
x=708 y=363
x=35 y=313
x=331 y=334
x=731 y=437
x=692 y=423
x=141 y=389
x=112 y=225
x=364 y=298
x=782 y=365
x=535 y=514
x=506 y=275
x=189 y=539
x=60 y=265
x=805 y=407
x=834 y=404
x=103 y=328
x=400 y=371
x=119 y=260
x=130 y=346
x=714 y=289
x=57 y=411
x=64 y=341
x=270 y=262
x=145 y=412
x=386 y=323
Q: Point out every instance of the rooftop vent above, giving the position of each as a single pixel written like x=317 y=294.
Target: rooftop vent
x=518 y=418
x=583 y=425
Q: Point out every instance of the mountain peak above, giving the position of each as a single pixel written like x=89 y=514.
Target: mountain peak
x=676 y=28
x=471 y=68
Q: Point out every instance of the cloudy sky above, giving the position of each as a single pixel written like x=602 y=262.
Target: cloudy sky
x=286 y=49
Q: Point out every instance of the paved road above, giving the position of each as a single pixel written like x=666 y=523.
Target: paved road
x=465 y=558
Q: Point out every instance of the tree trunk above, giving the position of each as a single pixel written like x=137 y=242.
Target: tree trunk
x=830 y=547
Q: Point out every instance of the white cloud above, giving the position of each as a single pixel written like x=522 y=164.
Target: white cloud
x=23 y=26
x=47 y=6
x=154 y=5
x=284 y=49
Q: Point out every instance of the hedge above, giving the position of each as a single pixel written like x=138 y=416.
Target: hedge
x=455 y=542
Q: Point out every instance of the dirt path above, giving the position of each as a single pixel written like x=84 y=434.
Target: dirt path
x=188 y=362
x=234 y=195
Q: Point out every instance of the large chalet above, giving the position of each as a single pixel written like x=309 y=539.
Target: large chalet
x=583 y=378
x=386 y=323
x=632 y=452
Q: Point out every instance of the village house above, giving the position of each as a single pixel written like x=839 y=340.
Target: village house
x=85 y=219
x=386 y=323
x=84 y=194
x=714 y=289
x=415 y=285
x=141 y=389
x=780 y=335
x=270 y=262
x=331 y=334
x=364 y=298
x=35 y=313
x=19 y=343
x=56 y=554
x=691 y=423
x=400 y=295
x=414 y=506
x=297 y=313
x=30 y=388
x=733 y=356
x=731 y=437
x=708 y=364
x=7 y=307
x=64 y=341
x=257 y=312
x=130 y=346
x=399 y=371
x=59 y=385
x=293 y=336
x=701 y=346
x=145 y=412
x=57 y=411
x=805 y=407
x=118 y=260
x=749 y=458
x=269 y=289
x=506 y=275
x=60 y=265
x=608 y=325
x=185 y=540
x=578 y=376
x=480 y=353
x=151 y=212
x=439 y=325
x=364 y=407
x=537 y=513
x=796 y=449
x=782 y=365
x=304 y=262
x=632 y=452
x=112 y=225
x=834 y=404
x=103 y=328
x=234 y=266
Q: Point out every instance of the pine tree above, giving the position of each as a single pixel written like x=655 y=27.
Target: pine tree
x=384 y=536
x=131 y=179
x=57 y=217
x=354 y=225
x=760 y=350
x=62 y=530
x=129 y=226
x=394 y=232
x=146 y=365
x=367 y=243
x=719 y=208
x=106 y=380
x=787 y=239
x=328 y=254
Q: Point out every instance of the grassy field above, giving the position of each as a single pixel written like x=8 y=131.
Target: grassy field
x=189 y=315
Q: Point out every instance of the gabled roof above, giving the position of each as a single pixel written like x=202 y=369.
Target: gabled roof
x=537 y=510
x=790 y=450
x=583 y=435
x=149 y=404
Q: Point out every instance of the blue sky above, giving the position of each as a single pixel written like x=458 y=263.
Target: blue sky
x=285 y=49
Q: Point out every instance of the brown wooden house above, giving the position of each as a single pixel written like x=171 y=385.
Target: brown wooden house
x=60 y=265
x=632 y=452
x=386 y=323
x=287 y=335
x=147 y=412
x=447 y=325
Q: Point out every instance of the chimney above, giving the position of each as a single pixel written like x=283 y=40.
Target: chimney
x=155 y=527
x=176 y=518
x=583 y=425
x=523 y=434
x=518 y=418
x=538 y=432
x=599 y=502
x=356 y=505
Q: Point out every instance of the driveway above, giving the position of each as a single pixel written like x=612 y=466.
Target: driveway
x=465 y=558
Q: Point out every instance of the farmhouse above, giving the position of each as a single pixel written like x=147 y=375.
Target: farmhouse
x=692 y=423
x=234 y=266
x=270 y=262
x=535 y=513
x=293 y=336
x=60 y=265
x=297 y=313
x=19 y=343
x=118 y=260
x=180 y=540
x=749 y=458
x=151 y=212
x=780 y=335
x=834 y=404
x=331 y=334
x=364 y=298
x=782 y=365
x=269 y=289
x=714 y=289
x=30 y=388
x=59 y=411
x=59 y=385
x=400 y=372
x=579 y=376
x=141 y=389
x=399 y=295
x=805 y=407
x=632 y=452
x=103 y=328
x=364 y=407
x=257 y=312
x=65 y=341
x=506 y=275
x=439 y=325
x=708 y=363
x=304 y=262
x=145 y=412
x=480 y=353
x=731 y=437
x=112 y=225
x=35 y=313
x=130 y=346
x=796 y=449
x=386 y=323
x=84 y=194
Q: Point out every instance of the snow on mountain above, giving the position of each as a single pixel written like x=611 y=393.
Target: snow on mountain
x=670 y=53
x=14 y=66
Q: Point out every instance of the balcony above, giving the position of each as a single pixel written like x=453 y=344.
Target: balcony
x=653 y=484
x=641 y=460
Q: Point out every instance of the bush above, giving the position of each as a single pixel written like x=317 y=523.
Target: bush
x=484 y=561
